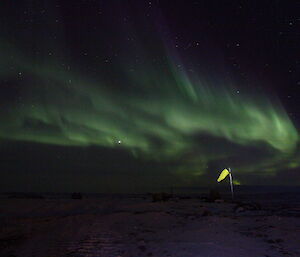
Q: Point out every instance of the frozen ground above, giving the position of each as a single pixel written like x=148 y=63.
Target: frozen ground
x=138 y=227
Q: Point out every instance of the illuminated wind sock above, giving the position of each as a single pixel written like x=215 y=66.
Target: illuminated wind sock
x=223 y=175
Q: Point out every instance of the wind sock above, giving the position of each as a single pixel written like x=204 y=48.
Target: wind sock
x=223 y=175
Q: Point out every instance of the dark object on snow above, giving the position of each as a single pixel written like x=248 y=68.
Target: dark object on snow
x=206 y=212
x=161 y=197
x=76 y=196
x=213 y=195
x=184 y=197
x=219 y=201
x=241 y=207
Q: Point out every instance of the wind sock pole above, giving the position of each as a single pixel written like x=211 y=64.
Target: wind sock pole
x=223 y=175
x=231 y=184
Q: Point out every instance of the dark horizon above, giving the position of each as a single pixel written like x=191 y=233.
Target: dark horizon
x=201 y=190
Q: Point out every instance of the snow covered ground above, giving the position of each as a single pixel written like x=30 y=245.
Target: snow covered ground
x=138 y=227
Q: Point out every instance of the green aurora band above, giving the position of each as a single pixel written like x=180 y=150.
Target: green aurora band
x=162 y=115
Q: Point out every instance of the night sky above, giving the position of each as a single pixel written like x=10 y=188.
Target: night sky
x=131 y=95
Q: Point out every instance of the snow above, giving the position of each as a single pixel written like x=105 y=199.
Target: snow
x=137 y=227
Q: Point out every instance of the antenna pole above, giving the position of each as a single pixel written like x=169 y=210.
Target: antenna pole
x=231 y=184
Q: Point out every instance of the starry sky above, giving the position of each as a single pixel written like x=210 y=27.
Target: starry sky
x=128 y=95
